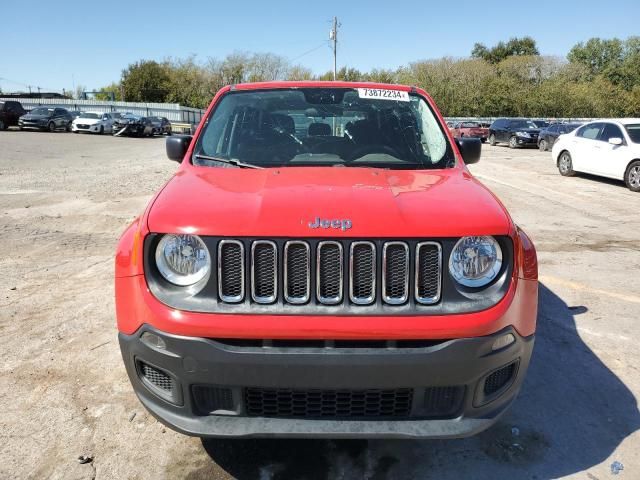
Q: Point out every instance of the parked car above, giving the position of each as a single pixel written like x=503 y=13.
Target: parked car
x=607 y=148
x=94 y=122
x=161 y=125
x=470 y=129
x=10 y=112
x=75 y=114
x=133 y=125
x=46 y=118
x=548 y=135
x=517 y=132
x=541 y=123
x=265 y=292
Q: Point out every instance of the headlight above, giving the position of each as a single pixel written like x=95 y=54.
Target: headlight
x=523 y=134
x=183 y=259
x=475 y=261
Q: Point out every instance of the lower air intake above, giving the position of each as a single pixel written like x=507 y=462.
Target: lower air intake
x=499 y=379
x=288 y=403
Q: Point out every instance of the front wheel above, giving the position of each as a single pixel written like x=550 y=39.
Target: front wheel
x=513 y=142
x=543 y=145
x=492 y=140
x=3 y=126
x=632 y=176
x=51 y=127
x=68 y=129
x=565 y=165
x=101 y=129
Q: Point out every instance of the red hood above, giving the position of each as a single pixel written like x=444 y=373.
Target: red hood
x=282 y=202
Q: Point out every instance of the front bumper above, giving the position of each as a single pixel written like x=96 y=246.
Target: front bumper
x=460 y=365
x=527 y=140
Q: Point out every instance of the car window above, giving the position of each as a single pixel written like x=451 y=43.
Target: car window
x=610 y=131
x=524 y=124
x=590 y=131
x=634 y=132
x=324 y=126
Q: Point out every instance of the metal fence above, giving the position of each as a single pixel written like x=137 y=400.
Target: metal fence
x=172 y=111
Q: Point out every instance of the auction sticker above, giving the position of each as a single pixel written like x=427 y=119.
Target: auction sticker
x=383 y=94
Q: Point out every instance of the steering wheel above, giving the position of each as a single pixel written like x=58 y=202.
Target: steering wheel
x=359 y=152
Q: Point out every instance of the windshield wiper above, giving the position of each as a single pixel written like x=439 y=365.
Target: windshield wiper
x=230 y=161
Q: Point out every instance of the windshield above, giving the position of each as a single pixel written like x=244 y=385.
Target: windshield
x=324 y=126
x=523 y=124
x=89 y=115
x=42 y=111
x=634 y=132
x=470 y=125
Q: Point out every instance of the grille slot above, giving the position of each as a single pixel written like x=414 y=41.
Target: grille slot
x=209 y=399
x=362 y=274
x=395 y=273
x=231 y=271
x=264 y=273
x=428 y=266
x=290 y=403
x=297 y=275
x=329 y=273
x=499 y=379
x=443 y=401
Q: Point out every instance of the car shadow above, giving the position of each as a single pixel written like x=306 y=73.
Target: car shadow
x=572 y=414
x=604 y=180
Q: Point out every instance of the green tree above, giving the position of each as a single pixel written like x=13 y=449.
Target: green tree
x=525 y=46
x=104 y=92
x=145 y=81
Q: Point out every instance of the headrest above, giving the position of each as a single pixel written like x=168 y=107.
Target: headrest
x=319 y=129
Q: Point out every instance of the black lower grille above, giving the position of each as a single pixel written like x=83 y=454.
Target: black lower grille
x=289 y=403
x=209 y=399
x=157 y=377
x=499 y=379
x=443 y=401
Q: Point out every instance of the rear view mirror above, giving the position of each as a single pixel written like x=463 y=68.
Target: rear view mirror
x=615 y=141
x=177 y=146
x=470 y=149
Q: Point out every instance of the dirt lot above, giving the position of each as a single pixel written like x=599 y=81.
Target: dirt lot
x=63 y=390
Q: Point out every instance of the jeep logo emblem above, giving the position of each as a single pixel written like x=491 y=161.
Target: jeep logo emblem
x=343 y=224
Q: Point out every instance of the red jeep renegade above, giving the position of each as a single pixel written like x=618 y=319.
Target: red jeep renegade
x=323 y=264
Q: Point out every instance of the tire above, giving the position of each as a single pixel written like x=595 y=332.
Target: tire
x=483 y=140
x=513 y=142
x=632 y=176
x=543 y=146
x=565 y=165
x=68 y=128
x=51 y=127
x=76 y=131
x=3 y=126
x=101 y=129
x=492 y=140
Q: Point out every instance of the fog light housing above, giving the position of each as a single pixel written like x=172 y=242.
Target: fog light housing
x=503 y=341
x=154 y=341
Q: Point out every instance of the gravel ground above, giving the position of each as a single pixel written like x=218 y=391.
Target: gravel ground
x=66 y=198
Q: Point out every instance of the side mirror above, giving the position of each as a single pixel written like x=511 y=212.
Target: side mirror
x=470 y=149
x=615 y=141
x=177 y=146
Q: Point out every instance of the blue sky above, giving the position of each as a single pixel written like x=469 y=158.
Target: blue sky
x=55 y=45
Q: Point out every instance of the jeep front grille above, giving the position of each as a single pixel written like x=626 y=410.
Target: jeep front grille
x=329 y=272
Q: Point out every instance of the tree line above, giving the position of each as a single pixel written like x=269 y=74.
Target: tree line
x=598 y=78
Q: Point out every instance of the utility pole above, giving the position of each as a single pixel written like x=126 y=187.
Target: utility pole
x=29 y=87
x=333 y=35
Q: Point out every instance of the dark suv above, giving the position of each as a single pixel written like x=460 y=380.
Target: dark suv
x=47 y=118
x=550 y=134
x=10 y=112
x=517 y=132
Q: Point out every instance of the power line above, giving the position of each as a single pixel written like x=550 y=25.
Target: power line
x=308 y=52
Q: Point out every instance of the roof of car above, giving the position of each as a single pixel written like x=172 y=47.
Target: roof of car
x=318 y=83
